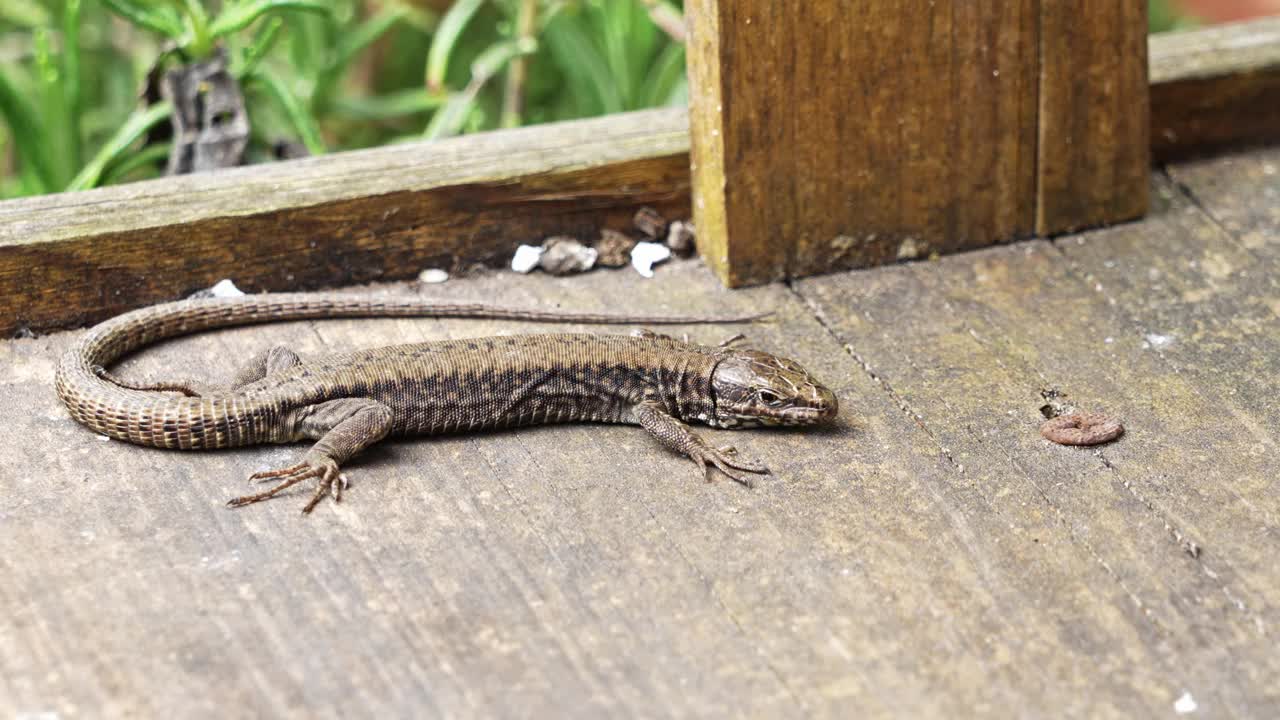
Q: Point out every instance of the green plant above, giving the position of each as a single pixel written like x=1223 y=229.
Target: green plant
x=187 y=24
x=1163 y=16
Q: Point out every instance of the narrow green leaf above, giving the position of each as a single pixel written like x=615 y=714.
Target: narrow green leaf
x=389 y=106
x=446 y=37
x=665 y=77
x=617 y=33
x=72 y=79
x=26 y=14
x=54 y=119
x=354 y=42
x=241 y=15
x=162 y=20
x=580 y=61
x=150 y=155
x=348 y=48
x=451 y=118
x=302 y=121
x=131 y=131
x=262 y=42
x=28 y=141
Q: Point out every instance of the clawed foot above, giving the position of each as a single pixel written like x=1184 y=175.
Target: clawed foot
x=726 y=460
x=331 y=483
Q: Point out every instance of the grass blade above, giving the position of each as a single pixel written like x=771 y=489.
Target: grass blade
x=28 y=142
x=150 y=155
x=133 y=130
x=71 y=80
x=581 y=62
x=448 y=121
x=665 y=79
x=389 y=106
x=302 y=121
x=242 y=15
x=446 y=37
x=158 y=20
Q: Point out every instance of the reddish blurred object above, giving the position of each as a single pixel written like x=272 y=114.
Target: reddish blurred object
x=1221 y=11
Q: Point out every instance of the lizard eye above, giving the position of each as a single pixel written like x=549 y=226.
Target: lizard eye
x=770 y=398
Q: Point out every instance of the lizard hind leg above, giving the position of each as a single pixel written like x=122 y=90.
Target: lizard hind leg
x=276 y=360
x=342 y=428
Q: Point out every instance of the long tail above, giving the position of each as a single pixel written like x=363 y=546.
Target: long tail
x=150 y=418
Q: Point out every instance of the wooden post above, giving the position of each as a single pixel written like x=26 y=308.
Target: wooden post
x=829 y=135
x=1094 y=118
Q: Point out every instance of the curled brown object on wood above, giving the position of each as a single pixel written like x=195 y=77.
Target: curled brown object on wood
x=1081 y=429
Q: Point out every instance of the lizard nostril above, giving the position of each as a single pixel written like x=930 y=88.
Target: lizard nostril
x=828 y=403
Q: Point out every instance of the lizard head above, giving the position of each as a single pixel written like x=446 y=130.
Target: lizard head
x=753 y=388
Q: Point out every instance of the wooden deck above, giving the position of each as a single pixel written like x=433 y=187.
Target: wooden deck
x=930 y=556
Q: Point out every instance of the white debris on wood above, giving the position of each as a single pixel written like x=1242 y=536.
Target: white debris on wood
x=526 y=258
x=1185 y=704
x=647 y=254
x=224 y=289
x=433 y=276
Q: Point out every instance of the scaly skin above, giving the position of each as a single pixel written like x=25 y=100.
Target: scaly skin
x=348 y=402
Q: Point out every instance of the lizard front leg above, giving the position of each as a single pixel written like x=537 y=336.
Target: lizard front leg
x=676 y=435
x=342 y=428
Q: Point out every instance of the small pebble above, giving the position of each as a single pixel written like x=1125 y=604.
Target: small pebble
x=526 y=258
x=647 y=254
x=433 y=275
x=566 y=256
x=680 y=238
x=614 y=248
x=650 y=222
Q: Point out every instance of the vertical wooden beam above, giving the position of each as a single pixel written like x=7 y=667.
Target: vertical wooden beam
x=829 y=135
x=1094 y=114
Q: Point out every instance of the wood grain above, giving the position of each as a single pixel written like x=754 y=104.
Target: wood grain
x=828 y=137
x=1094 y=114
x=927 y=553
x=1215 y=88
x=1173 y=510
x=353 y=217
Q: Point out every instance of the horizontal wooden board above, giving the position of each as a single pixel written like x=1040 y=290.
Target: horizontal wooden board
x=386 y=213
x=1215 y=88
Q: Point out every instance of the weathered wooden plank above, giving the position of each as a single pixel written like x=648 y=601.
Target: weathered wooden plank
x=1094 y=121
x=828 y=137
x=1203 y=289
x=582 y=570
x=1181 y=511
x=1239 y=193
x=348 y=218
x=1215 y=88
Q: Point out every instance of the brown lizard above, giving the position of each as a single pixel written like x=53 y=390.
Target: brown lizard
x=348 y=402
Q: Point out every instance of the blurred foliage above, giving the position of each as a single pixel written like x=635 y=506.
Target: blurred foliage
x=330 y=74
x=1165 y=15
